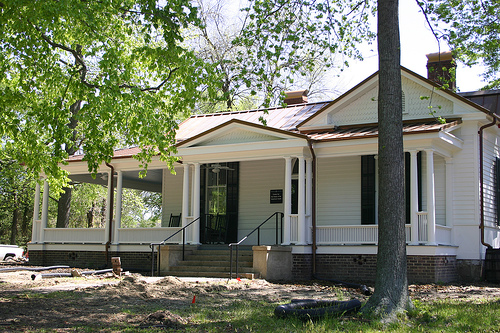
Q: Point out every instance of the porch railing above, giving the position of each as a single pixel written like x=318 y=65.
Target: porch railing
x=148 y=235
x=153 y=245
x=368 y=234
x=422 y=226
x=278 y=220
x=75 y=235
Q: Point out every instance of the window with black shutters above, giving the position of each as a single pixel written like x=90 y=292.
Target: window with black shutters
x=368 y=189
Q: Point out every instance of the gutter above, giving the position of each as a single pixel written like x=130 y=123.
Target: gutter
x=481 y=176
x=313 y=206
x=111 y=204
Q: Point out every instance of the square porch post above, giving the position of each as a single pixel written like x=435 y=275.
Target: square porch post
x=414 y=197
x=288 y=200
x=431 y=199
x=35 y=234
x=109 y=208
x=309 y=201
x=45 y=210
x=118 y=213
x=196 y=204
x=185 y=196
x=301 y=228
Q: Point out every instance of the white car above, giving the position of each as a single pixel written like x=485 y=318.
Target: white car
x=10 y=251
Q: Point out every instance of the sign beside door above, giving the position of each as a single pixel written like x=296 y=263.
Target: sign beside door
x=276 y=196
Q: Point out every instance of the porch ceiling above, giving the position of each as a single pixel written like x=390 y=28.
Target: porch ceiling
x=152 y=182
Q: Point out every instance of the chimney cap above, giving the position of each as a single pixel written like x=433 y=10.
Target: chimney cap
x=439 y=56
x=296 y=97
x=296 y=93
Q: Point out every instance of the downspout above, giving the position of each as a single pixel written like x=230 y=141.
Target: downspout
x=111 y=204
x=313 y=206
x=481 y=177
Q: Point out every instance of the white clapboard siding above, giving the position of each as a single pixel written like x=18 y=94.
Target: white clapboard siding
x=172 y=194
x=257 y=179
x=339 y=191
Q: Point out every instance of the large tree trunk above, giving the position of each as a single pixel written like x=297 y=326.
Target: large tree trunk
x=15 y=219
x=391 y=286
x=64 y=208
x=64 y=203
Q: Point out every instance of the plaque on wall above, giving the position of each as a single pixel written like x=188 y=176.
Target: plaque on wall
x=276 y=196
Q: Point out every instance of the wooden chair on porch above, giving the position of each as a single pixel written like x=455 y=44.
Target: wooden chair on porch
x=216 y=229
x=175 y=221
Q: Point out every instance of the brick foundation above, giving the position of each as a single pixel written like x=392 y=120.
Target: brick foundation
x=132 y=261
x=362 y=268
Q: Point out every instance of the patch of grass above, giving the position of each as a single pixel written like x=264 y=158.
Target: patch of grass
x=439 y=316
x=51 y=295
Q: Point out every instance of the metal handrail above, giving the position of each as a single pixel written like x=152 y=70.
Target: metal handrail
x=152 y=246
x=277 y=214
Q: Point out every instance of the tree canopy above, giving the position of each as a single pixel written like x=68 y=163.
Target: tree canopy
x=472 y=29
x=91 y=76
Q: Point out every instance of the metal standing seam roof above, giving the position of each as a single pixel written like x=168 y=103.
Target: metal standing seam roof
x=281 y=118
x=371 y=130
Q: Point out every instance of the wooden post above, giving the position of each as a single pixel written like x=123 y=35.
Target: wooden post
x=117 y=266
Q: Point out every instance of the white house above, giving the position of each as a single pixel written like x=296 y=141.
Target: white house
x=315 y=163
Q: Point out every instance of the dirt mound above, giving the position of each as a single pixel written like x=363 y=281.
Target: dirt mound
x=163 y=319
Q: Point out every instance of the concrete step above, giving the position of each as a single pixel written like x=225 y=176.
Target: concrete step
x=212 y=257
x=221 y=275
x=181 y=268
x=215 y=263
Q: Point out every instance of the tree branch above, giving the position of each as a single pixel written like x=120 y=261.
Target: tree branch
x=156 y=88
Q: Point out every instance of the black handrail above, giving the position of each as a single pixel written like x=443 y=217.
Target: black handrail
x=152 y=246
x=278 y=215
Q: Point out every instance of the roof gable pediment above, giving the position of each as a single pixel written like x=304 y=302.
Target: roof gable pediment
x=237 y=132
x=421 y=99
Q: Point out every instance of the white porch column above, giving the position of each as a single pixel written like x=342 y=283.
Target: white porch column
x=185 y=196
x=431 y=199
x=309 y=192
x=414 y=197
x=287 y=201
x=35 y=234
x=196 y=204
x=109 y=208
x=301 y=228
x=449 y=194
x=45 y=210
x=118 y=211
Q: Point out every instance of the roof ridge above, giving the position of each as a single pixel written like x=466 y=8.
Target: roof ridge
x=223 y=113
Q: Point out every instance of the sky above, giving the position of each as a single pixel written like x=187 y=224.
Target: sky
x=417 y=40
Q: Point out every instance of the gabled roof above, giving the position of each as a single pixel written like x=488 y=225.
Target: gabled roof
x=242 y=124
x=374 y=76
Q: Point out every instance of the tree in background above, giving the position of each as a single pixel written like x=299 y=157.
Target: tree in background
x=258 y=56
x=472 y=30
x=16 y=203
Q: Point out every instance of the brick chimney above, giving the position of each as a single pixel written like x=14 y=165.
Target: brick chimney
x=439 y=66
x=296 y=97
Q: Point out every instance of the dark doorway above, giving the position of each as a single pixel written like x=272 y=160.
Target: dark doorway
x=219 y=203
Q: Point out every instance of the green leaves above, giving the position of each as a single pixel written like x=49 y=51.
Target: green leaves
x=93 y=76
x=472 y=31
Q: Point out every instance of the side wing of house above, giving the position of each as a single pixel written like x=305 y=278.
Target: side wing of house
x=442 y=165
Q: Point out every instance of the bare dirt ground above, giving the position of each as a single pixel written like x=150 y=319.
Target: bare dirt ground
x=102 y=301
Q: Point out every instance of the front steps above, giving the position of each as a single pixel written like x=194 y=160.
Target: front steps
x=212 y=261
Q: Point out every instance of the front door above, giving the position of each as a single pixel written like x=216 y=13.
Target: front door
x=219 y=203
